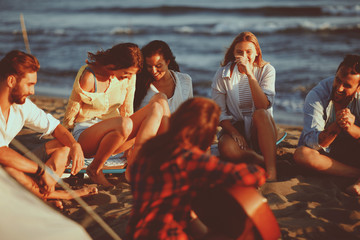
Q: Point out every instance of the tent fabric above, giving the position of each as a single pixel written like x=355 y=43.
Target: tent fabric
x=25 y=216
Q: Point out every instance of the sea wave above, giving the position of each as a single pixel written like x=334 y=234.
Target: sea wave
x=334 y=10
x=290 y=105
x=268 y=28
x=224 y=28
x=40 y=31
x=211 y=29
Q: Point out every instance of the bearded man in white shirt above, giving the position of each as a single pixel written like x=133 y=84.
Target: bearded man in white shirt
x=18 y=76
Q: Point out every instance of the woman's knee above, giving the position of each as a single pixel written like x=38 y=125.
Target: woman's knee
x=228 y=148
x=125 y=127
x=161 y=99
x=156 y=109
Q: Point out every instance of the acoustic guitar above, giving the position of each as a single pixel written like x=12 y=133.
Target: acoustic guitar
x=237 y=212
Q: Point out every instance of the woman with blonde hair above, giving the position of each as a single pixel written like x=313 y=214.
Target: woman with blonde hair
x=244 y=88
x=100 y=109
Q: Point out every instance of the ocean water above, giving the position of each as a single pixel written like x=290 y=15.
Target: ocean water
x=304 y=40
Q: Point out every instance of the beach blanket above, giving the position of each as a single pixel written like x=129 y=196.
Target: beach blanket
x=115 y=164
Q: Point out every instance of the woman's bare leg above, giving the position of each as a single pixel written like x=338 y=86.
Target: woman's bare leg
x=162 y=100
x=148 y=121
x=230 y=151
x=265 y=134
x=102 y=140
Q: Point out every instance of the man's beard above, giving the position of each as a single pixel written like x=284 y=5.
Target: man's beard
x=16 y=96
x=342 y=100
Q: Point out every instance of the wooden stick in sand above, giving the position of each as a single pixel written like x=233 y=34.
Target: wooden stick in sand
x=23 y=28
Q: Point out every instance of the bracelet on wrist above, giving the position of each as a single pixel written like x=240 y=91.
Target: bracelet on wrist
x=39 y=172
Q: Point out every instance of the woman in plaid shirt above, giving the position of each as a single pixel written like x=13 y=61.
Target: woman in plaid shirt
x=171 y=168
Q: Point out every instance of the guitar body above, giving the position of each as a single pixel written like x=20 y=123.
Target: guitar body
x=237 y=212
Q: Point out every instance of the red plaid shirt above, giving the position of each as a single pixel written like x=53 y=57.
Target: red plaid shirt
x=162 y=202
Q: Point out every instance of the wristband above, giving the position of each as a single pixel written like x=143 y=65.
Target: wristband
x=39 y=172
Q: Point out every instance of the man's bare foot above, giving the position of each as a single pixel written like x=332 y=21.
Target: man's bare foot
x=98 y=178
x=83 y=192
x=87 y=191
x=354 y=189
x=56 y=203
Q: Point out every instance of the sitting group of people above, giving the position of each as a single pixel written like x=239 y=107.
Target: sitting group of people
x=137 y=101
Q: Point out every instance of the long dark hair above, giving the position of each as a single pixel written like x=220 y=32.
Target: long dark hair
x=123 y=55
x=193 y=124
x=244 y=37
x=144 y=78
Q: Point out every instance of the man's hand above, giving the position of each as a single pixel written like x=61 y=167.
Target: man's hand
x=345 y=119
x=46 y=184
x=77 y=156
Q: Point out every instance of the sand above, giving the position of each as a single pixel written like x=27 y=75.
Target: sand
x=306 y=205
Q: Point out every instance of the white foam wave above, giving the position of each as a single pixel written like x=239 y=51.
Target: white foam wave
x=290 y=105
x=123 y=30
x=280 y=26
x=185 y=29
x=59 y=32
x=342 y=10
x=308 y=25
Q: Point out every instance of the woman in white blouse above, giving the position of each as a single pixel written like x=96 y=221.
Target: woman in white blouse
x=161 y=73
x=244 y=88
x=100 y=109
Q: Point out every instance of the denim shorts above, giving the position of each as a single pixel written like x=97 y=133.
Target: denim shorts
x=81 y=126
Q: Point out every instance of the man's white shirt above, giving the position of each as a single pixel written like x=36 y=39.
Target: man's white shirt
x=28 y=115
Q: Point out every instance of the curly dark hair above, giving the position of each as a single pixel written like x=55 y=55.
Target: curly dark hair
x=123 y=55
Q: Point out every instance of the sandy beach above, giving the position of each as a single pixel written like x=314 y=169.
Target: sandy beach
x=306 y=205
